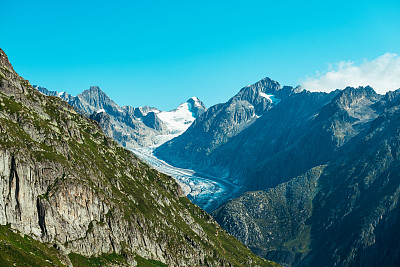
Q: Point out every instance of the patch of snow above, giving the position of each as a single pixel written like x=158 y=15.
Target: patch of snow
x=60 y=94
x=100 y=110
x=271 y=98
x=196 y=101
x=150 y=109
x=179 y=119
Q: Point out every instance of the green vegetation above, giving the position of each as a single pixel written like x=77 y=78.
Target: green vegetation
x=17 y=250
x=10 y=105
x=142 y=262
x=105 y=260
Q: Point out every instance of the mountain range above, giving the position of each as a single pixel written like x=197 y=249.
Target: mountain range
x=319 y=172
x=71 y=196
x=199 y=147
x=316 y=176
x=132 y=127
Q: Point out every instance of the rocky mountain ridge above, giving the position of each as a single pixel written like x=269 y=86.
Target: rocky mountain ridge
x=131 y=127
x=220 y=123
x=289 y=128
x=342 y=213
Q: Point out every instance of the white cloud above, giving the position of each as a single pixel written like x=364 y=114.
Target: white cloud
x=382 y=74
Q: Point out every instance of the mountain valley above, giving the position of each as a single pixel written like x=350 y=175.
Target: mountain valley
x=70 y=195
x=143 y=129
x=301 y=178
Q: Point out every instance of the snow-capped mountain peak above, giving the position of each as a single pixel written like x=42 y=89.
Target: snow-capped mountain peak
x=196 y=100
x=179 y=119
x=197 y=107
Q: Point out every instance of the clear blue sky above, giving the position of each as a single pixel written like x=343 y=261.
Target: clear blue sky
x=160 y=53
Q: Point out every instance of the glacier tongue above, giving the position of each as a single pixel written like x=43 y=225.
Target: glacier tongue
x=206 y=191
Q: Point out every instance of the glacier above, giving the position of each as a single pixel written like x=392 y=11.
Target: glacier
x=206 y=191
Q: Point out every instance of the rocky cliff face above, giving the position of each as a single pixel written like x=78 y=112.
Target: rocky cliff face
x=304 y=131
x=66 y=184
x=274 y=223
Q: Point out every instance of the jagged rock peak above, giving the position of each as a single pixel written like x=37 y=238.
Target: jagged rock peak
x=45 y=91
x=140 y=112
x=4 y=61
x=389 y=96
x=265 y=85
x=255 y=92
x=197 y=107
x=361 y=90
x=351 y=94
x=268 y=81
x=98 y=100
x=94 y=90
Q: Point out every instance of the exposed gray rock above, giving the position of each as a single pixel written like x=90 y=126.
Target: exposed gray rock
x=274 y=223
x=152 y=121
x=196 y=106
x=301 y=131
x=104 y=119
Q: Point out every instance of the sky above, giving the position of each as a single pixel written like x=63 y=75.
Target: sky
x=160 y=53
